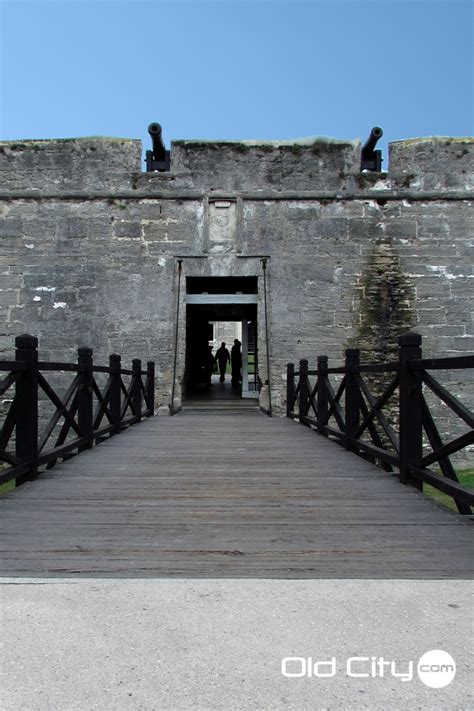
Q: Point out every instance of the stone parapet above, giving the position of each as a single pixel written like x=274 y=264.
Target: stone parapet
x=304 y=164
x=432 y=163
x=292 y=168
x=69 y=164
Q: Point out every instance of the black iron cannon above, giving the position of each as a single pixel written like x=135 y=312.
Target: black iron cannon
x=371 y=159
x=158 y=158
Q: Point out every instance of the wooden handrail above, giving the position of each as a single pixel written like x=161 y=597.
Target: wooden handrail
x=79 y=412
x=358 y=423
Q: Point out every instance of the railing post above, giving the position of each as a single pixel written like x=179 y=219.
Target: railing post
x=115 y=392
x=150 y=389
x=26 y=404
x=136 y=390
x=411 y=408
x=290 y=387
x=84 y=396
x=352 y=396
x=322 y=397
x=303 y=393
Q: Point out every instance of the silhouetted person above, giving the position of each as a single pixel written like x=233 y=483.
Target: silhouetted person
x=236 y=361
x=209 y=365
x=222 y=358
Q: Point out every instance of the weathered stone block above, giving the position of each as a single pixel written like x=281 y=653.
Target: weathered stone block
x=10 y=228
x=10 y=281
x=401 y=229
x=9 y=297
x=130 y=230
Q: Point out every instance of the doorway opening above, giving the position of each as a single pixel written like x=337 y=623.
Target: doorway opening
x=221 y=310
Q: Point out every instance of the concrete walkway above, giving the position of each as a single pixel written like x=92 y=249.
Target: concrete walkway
x=179 y=645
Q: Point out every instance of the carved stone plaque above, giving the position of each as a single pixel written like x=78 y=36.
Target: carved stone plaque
x=222 y=221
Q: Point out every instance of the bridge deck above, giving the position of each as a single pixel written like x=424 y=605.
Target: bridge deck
x=228 y=495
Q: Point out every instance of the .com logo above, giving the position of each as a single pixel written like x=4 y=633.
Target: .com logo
x=436 y=668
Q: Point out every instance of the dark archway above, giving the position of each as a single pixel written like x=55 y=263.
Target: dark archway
x=218 y=299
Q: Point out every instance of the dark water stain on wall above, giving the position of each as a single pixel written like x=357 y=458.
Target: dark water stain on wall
x=386 y=307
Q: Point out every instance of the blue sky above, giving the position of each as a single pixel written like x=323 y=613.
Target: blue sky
x=264 y=69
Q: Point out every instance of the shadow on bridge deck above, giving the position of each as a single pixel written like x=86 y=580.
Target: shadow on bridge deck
x=218 y=397
x=226 y=495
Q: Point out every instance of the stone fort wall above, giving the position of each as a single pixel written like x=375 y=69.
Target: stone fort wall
x=89 y=246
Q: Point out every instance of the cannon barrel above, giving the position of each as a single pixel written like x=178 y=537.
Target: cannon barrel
x=159 y=151
x=158 y=159
x=370 y=158
x=375 y=134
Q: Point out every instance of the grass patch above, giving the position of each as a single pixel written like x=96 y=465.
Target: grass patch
x=9 y=486
x=466 y=478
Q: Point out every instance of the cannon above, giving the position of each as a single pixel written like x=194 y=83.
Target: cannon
x=371 y=159
x=158 y=158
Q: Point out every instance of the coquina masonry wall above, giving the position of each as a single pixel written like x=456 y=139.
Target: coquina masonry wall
x=89 y=246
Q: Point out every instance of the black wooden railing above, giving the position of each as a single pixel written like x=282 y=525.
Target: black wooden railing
x=397 y=438
x=84 y=414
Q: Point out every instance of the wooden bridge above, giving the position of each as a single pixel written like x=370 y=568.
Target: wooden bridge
x=224 y=495
x=200 y=494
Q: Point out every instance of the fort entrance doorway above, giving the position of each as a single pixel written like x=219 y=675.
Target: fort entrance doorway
x=217 y=306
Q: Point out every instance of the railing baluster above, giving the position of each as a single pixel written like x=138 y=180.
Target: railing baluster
x=303 y=394
x=137 y=392
x=150 y=389
x=115 y=404
x=84 y=396
x=290 y=388
x=323 y=399
x=411 y=408
x=26 y=405
x=352 y=399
